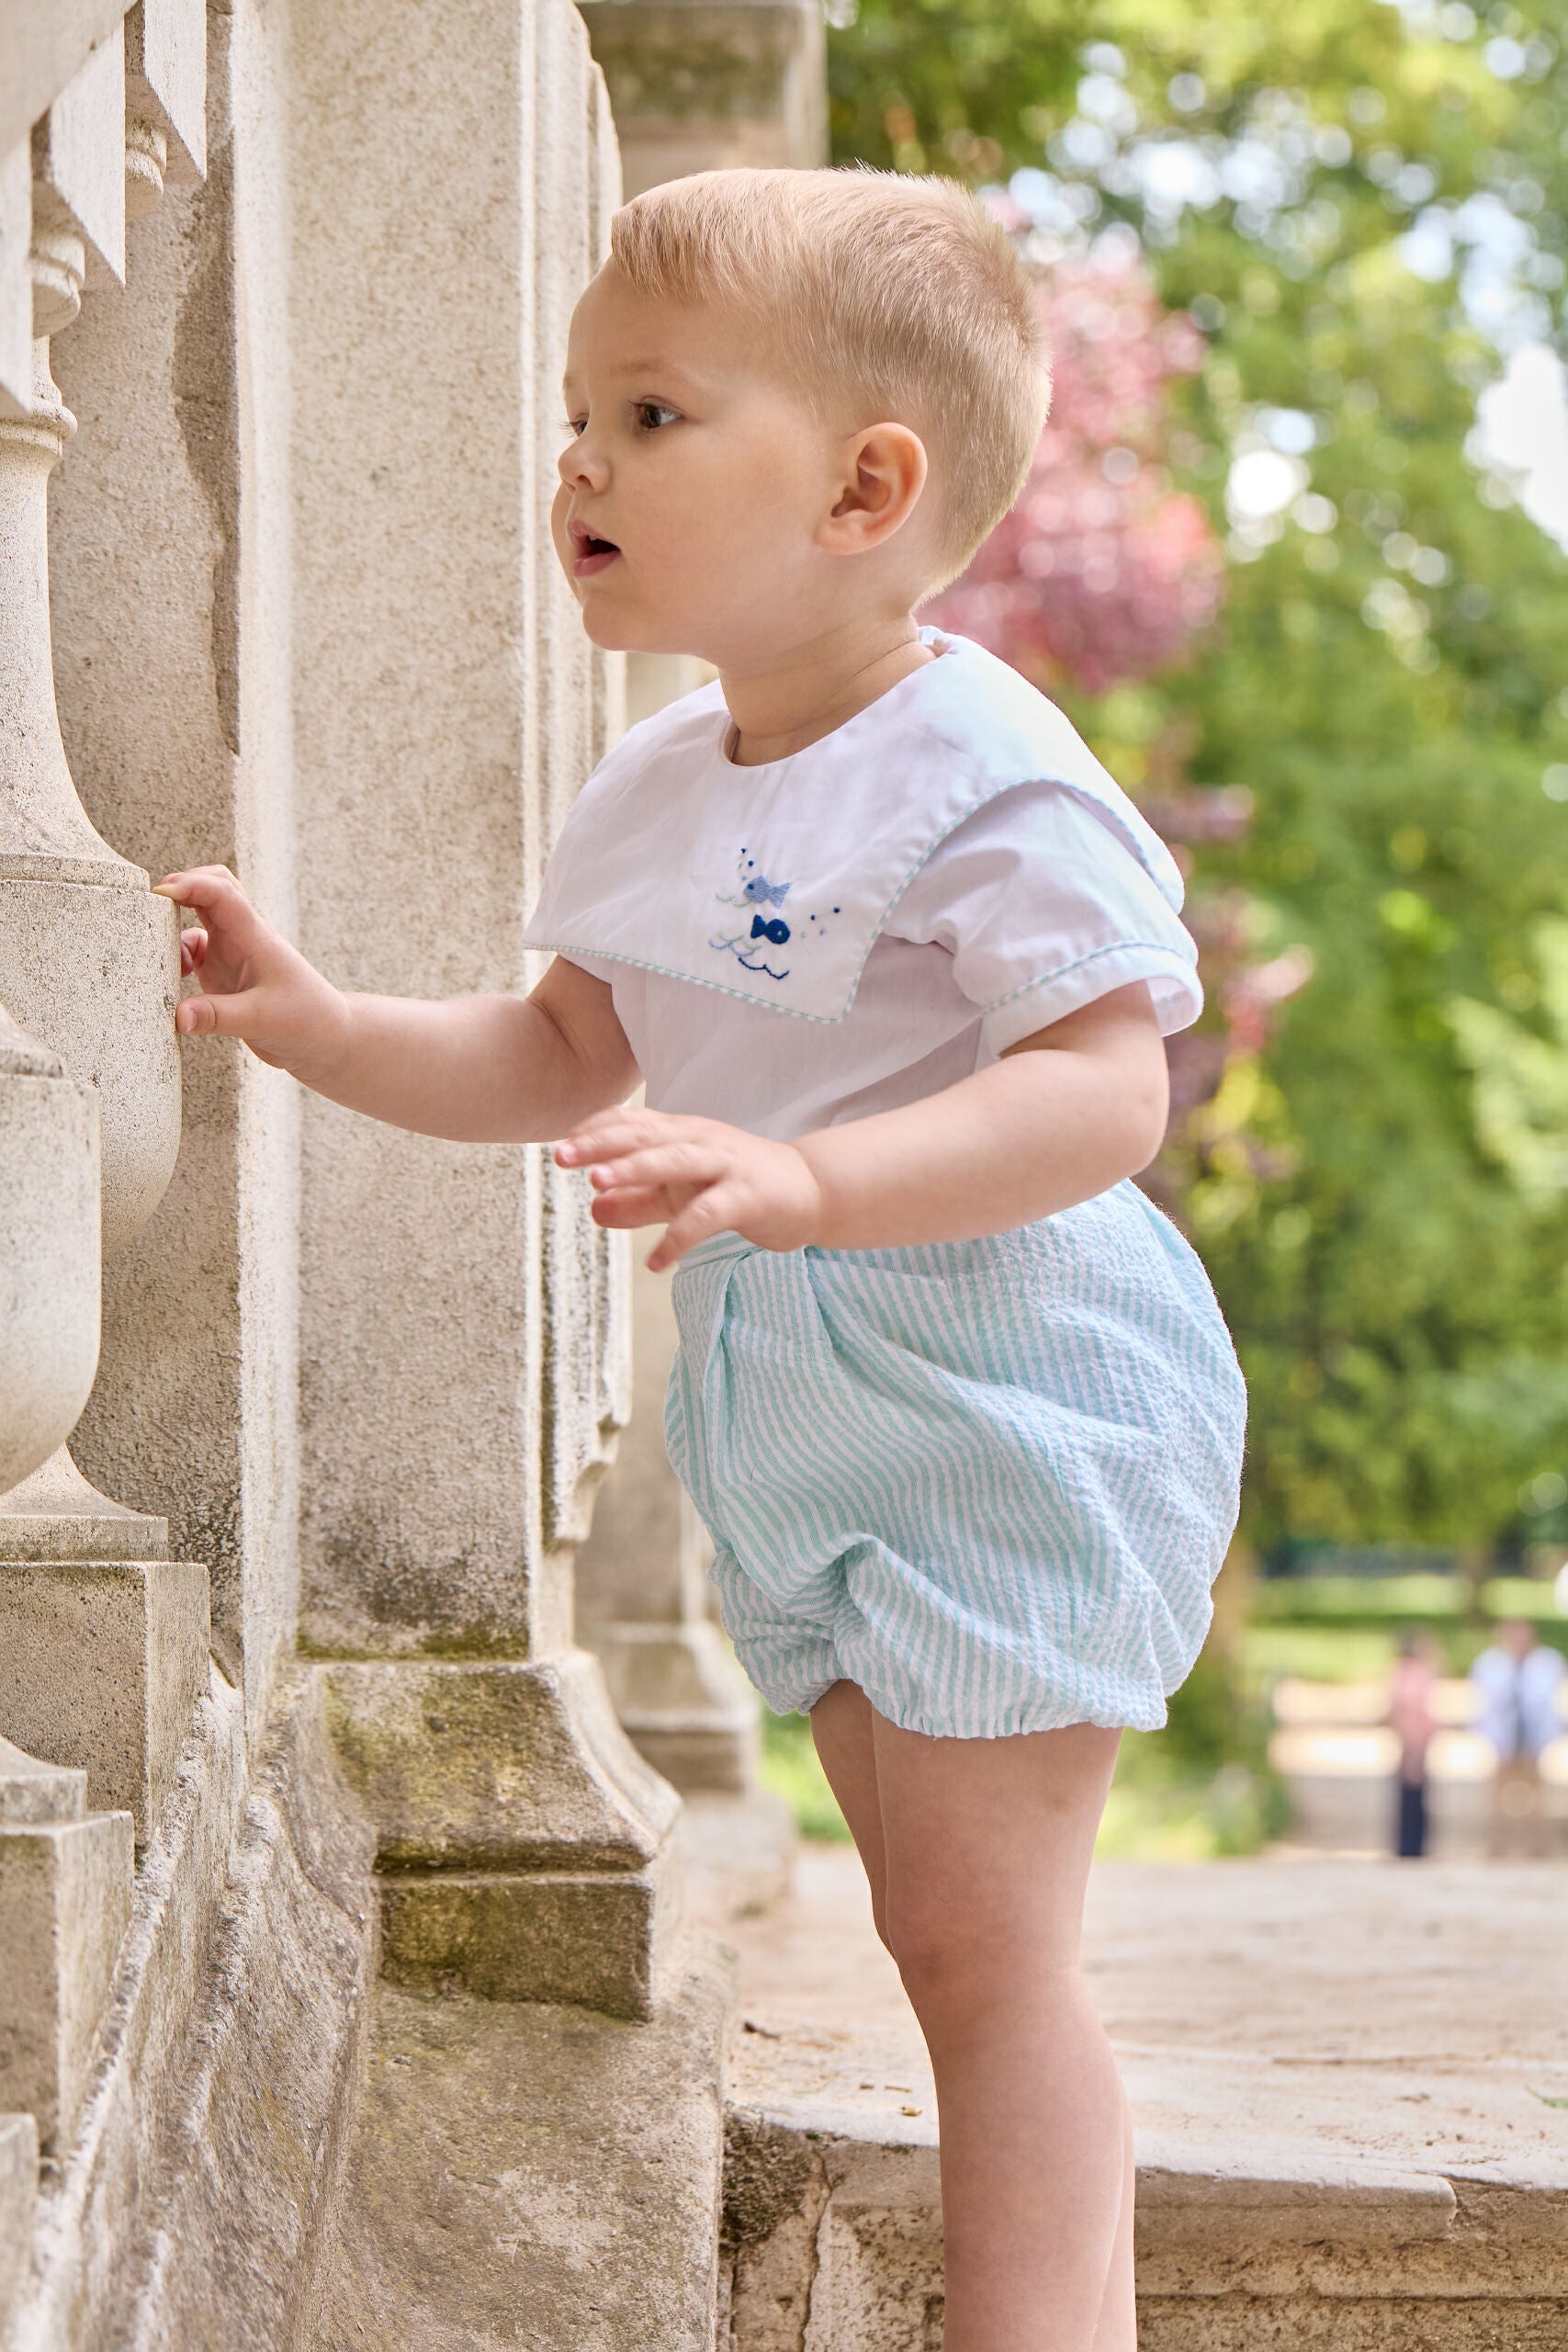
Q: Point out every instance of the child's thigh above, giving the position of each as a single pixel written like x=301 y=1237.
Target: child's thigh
x=987 y=1842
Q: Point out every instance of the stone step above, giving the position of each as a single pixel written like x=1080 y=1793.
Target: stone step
x=532 y=2173
x=1349 y=2086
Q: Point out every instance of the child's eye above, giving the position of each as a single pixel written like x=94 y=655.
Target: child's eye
x=575 y=425
x=652 y=415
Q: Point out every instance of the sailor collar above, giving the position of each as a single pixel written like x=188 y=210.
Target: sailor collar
x=772 y=883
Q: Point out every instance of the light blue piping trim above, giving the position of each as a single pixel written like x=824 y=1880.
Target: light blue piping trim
x=833 y=1020
x=1117 y=948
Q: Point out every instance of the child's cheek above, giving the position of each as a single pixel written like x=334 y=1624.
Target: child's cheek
x=558 y=505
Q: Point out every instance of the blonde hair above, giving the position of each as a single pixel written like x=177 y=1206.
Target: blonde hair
x=896 y=293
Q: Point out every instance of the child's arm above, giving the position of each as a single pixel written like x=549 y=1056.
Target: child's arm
x=477 y=1068
x=1066 y=1113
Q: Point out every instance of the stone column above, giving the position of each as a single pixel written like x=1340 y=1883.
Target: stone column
x=463 y=1322
x=103 y=1637
x=694 y=85
x=697 y=85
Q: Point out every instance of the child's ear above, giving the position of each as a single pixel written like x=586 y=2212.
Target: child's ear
x=883 y=473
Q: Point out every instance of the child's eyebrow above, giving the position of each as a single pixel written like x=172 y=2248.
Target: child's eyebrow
x=654 y=367
x=649 y=370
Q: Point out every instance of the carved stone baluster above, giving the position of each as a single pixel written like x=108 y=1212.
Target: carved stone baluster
x=48 y=1250
x=103 y=1640
x=165 y=89
x=65 y=1876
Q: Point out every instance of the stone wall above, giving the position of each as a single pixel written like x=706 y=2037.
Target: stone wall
x=297 y=1620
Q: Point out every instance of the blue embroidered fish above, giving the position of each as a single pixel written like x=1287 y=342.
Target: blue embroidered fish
x=756 y=892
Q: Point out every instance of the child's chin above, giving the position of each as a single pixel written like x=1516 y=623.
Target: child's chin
x=624 y=633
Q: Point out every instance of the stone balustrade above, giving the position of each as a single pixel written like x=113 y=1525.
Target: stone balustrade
x=64 y=1873
x=103 y=1639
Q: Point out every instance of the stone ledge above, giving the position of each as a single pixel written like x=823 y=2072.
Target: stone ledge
x=1349 y=2129
x=488 y=1767
x=594 y=1937
x=833 y=2230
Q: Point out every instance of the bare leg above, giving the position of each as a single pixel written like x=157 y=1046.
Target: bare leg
x=841 y=1726
x=977 y=1852
x=1117 y=2326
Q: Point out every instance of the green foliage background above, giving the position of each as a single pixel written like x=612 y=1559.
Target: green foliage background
x=1399 y=1295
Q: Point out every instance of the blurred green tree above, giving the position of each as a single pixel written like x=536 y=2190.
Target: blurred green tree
x=1363 y=207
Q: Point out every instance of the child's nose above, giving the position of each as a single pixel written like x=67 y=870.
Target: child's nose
x=580 y=461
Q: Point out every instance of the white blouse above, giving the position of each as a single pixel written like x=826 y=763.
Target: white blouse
x=869 y=920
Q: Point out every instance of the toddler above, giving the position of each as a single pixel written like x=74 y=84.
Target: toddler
x=893 y=957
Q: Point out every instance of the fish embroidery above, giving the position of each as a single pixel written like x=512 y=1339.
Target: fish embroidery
x=756 y=890
x=757 y=895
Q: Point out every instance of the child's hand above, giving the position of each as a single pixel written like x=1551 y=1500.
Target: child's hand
x=702 y=1176
x=256 y=986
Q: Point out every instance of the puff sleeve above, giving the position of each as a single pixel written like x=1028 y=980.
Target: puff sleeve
x=1044 y=905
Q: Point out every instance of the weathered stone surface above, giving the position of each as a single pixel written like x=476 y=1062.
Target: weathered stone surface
x=491 y=1766
x=595 y=1936
x=736 y=1854
x=33 y=1794
x=1280 y=2323
x=92 y=970
x=100 y=1666
x=684 y=1703
x=189 y=2212
x=19 y=2194
x=64 y=1902
x=57 y=1514
x=172 y=632
x=534 y=2177
x=49 y=1251
x=461 y=1337
x=696 y=84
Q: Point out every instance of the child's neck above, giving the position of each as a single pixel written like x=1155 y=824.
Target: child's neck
x=805 y=691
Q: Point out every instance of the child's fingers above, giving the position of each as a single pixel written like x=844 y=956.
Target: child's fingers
x=689 y=1162
x=618 y=1132
x=216 y=1016
x=213 y=892
x=637 y=1205
x=193 y=951
x=713 y=1211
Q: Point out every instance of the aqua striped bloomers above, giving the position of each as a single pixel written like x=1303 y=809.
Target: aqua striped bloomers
x=991 y=1482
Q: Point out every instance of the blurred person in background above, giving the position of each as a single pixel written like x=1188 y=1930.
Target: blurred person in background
x=1518 y=1680
x=1410 y=1691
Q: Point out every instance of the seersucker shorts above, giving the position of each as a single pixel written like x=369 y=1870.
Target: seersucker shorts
x=991 y=1482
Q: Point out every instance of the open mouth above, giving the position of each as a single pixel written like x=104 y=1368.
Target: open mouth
x=589 y=552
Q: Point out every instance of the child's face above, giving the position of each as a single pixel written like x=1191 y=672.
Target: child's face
x=694 y=485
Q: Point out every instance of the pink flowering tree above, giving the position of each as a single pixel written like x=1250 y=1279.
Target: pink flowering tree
x=1104 y=571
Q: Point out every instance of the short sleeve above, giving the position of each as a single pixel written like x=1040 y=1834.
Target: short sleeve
x=1044 y=907
x=599 y=967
